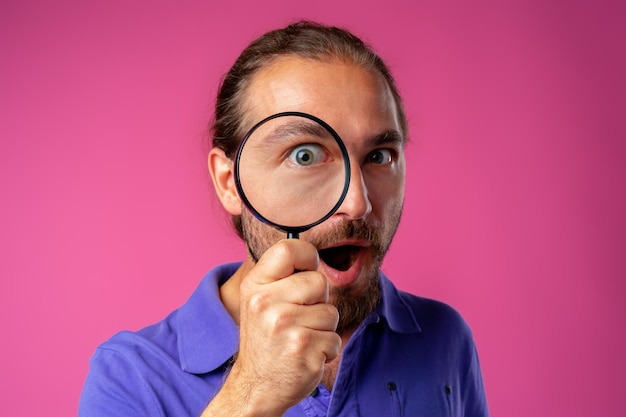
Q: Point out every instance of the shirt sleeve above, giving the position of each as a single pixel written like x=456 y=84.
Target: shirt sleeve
x=475 y=399
x=114 y=388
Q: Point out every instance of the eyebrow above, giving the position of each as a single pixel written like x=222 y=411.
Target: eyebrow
x=296 y=128
x=388 y=137
x=291 y=129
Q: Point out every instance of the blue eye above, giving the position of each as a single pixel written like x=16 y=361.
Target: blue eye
x=307 y=155
x=380 y=156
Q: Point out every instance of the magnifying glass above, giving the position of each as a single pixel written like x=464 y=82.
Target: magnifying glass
x=292 y=171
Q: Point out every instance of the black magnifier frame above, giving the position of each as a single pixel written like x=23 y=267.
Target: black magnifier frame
x=293 y=232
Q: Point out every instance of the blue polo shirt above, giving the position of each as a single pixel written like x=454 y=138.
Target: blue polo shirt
x=411 y=357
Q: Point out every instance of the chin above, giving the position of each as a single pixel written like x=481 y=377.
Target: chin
x=354 y=303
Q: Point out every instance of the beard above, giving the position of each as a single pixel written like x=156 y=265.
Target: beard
x=354 y=304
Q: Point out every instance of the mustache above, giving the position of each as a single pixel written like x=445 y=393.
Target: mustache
x=354 y=229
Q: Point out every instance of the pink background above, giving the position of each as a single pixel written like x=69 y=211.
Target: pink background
x=515 y=194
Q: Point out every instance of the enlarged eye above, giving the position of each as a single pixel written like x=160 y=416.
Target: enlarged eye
x=380 y=156
x=307 y=155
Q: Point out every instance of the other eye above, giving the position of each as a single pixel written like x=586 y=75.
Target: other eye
x=307 y=155
x=380 y=156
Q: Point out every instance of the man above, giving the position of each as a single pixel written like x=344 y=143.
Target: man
x=309 y=326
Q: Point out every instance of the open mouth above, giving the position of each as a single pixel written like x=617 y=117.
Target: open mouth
x=340 y=258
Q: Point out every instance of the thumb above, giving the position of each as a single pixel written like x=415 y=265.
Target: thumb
x=285 y=258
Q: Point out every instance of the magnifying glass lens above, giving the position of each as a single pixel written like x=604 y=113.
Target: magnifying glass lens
x=292 y=171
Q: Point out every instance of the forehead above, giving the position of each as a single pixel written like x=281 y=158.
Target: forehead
x=354 y=100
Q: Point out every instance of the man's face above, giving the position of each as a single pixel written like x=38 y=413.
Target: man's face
x=358 y=104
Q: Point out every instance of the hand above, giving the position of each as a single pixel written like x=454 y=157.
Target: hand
x=287 y=329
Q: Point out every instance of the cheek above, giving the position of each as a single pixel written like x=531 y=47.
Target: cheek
x=258 y=235
x=386 y=196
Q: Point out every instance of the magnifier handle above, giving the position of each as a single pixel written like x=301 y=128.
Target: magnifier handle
x=294 y=235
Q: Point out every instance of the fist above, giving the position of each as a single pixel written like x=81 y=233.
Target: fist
x=287 y=328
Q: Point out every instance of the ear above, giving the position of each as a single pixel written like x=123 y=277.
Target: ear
x=222 y=174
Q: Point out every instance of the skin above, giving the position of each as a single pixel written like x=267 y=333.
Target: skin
x=285 y=304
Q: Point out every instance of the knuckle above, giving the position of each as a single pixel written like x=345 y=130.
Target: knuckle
x=280 y=321
x=337 y=342
x=300 y=339
x=284 y=249
x=332 y=313
x=308 y=287
x=335 y=346
x=319 y=281
x=258 y=302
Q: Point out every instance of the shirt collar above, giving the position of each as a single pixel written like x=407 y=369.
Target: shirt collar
x=395 y=309
x=209 y=337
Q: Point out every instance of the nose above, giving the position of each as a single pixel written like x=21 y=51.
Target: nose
x=357 y=204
